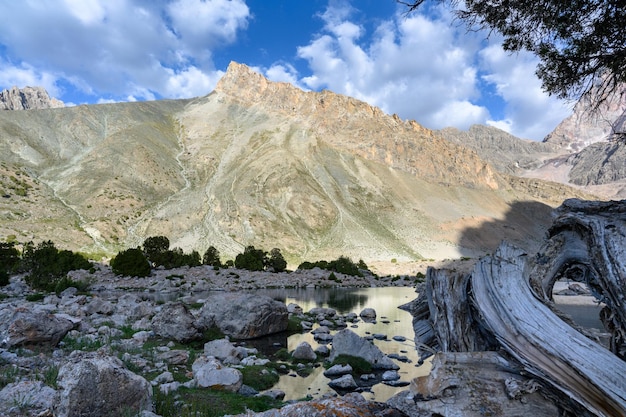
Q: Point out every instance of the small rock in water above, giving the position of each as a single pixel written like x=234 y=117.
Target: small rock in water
x=345 y=382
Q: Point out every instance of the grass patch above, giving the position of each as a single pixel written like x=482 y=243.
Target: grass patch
x=259 y=377
x=208 y=403
x=8 y=374
x=359 y=365
x=35 y=297
x=71 y=344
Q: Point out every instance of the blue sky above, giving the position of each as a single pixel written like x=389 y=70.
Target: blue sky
x=422 y=66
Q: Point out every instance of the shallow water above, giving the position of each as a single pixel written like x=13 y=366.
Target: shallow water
x=390 y=321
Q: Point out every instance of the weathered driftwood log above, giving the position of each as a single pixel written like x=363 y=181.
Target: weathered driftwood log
x=505 y=306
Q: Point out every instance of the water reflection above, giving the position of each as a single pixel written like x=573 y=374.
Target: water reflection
x=390 y=321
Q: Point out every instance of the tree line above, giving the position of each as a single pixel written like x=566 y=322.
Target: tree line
x=47 y=267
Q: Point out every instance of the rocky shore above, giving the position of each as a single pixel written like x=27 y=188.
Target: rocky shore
x=120 y=349
x=153 y=347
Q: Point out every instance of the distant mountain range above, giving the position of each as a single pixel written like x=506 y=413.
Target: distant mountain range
x=260 y=163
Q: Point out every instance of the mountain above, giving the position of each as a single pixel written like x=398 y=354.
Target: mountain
x=587 y=150
x=259 y=163
x=27 y=98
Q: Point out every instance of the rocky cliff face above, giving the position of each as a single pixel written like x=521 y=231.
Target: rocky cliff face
x=587 y=125
x=27 y=98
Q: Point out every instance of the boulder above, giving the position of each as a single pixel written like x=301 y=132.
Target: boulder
x=246 y=316
x=209 y=372
x=345 y=382
x=27 y=328
x=26 y=398
x=352 y=404
x=93 y=385
x=174 y=321
x=338 y=370
x=174 y=357
x=368 y=314
x=223 y=350
x=304 y=351
x=346 y=342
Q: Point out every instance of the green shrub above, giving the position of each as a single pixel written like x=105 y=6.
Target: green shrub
x=251 y=259
x=131 y=262
x=48 y=265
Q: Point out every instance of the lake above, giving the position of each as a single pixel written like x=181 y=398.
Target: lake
x=391 y=321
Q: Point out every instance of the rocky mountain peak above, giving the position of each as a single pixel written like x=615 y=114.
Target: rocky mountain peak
x=27 y=98
x=586 y=125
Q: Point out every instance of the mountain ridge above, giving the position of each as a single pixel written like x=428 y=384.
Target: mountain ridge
x=255 y=162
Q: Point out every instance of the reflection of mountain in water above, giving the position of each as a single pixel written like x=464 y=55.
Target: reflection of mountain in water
x=344 y=300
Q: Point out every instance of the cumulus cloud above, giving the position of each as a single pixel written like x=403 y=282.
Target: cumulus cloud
x=528 y=109
x=426 y=68
x=122 y=48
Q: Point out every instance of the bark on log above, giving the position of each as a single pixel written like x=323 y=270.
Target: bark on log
x=509 y=309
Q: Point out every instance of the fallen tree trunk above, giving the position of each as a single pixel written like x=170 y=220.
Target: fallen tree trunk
x=505 y=306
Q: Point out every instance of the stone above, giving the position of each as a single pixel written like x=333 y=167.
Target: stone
x=275 y=394
x=93 y=384
x=26 y=398
x=345 y=382
x=293 y=308
x=210 y=373
x=174 y=357
x=27 y=328
x=223 y=350
x=346 y=342
x=338 y=370
x=322 y=350
x=351 y=404
x=245 y=317
x=174 y=321
x=304 y=351
x=390 y=376
x=368 y=313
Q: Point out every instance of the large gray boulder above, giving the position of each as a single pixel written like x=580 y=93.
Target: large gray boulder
x=22 y=327
x=245 y=316
x=352 y=404
x=175 y=321
x=209 y=372
x=346 y=342
x=93 y=385
x=223 y=350
x=304 y=352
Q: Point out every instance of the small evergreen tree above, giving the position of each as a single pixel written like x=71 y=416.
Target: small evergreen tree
x=47 y=265
x=9 y=261
x=212 y=257
x=276 y=261
x=131 y=262
x=156 y=249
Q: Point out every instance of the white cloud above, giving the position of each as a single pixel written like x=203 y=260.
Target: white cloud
x=25 y=75
x=529 y=112
x=412 y=66
x=428 y=69
x=282 y=73
x=122 y=48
